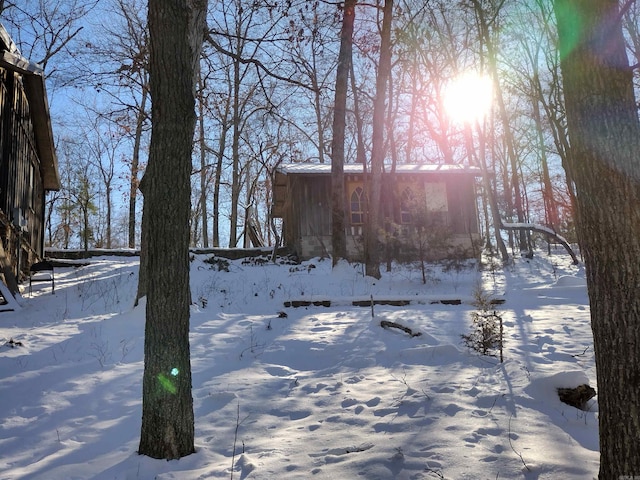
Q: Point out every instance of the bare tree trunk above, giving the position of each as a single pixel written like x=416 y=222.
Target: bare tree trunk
x=235 y=143
x=317 y=106
x=222 y=145
x=371 y=250
x=247 y=208
x=604 y=132
x=109 y=208
x=554 y=110
x=550 y=206
x=490 y=193
x=216 y=186
x=361 y=154
x=235 y=180
x=338 y=236
x=203 y=165
x=508 y=134
x=176 y=30
x=413 y=109
x=85 y=230
x=135 y=162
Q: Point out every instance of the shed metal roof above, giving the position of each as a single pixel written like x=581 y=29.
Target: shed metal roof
x=325 y=169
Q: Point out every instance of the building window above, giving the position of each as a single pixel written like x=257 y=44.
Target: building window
x=407 y=204
x=357 y=206
x=437 y=203
x=32 y=187
x=436 y=197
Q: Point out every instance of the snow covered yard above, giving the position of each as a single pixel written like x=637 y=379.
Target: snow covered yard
x=323 y=392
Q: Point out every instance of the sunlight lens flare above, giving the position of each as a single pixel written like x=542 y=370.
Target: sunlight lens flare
x=167 y=384
x=468 y=97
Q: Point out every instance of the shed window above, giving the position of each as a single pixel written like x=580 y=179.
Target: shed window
x=436 y=197
x=357 y=206
x=407 y=204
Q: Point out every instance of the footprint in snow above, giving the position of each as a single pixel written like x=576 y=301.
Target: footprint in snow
x=344 y=450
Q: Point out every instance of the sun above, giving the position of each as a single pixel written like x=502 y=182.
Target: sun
x=468 y=97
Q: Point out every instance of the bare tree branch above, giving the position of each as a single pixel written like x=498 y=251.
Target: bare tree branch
x=252 y=61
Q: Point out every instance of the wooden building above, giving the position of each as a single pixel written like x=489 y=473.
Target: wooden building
x=429 y=211
x=28 y=163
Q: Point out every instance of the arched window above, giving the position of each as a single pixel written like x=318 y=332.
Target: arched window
x=357 y=206
x=407 y=204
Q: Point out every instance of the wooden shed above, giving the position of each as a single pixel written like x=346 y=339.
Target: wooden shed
x=428 y=210
x=28 y=163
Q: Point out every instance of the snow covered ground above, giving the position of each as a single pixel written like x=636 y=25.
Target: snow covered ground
x=322 y=393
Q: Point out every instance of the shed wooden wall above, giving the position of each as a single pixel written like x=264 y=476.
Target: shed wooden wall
x=463 y=210
x=307 y=214
x=303 y=201
x=20 y=177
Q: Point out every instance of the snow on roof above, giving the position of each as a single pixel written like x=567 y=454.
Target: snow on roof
x=325 y=168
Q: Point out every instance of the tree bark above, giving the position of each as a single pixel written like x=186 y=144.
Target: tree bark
x=604 y=132
x=338 y=236
x=176 y=32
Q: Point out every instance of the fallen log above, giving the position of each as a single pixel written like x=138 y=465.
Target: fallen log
x=387 y=324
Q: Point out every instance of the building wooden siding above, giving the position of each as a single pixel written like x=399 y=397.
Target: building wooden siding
x=302 y=199
x=28 y=165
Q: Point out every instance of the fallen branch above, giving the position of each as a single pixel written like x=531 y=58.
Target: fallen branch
x=545 y=230
x=513 y=448
x=581 y=354
x=387 y=324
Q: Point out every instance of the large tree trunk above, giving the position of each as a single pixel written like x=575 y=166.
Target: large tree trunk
x=338 y=236
x=176 y=30
x=371 y=250
x=604 y=133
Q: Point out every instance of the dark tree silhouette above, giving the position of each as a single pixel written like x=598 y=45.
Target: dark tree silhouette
x=176 y=29
x=338 y=239
x=604 y=133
